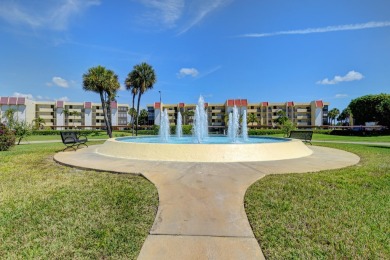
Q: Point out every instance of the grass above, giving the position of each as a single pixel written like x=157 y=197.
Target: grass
x=51 y=211
x=58 y=137
x=335 y=214
x=318 y=137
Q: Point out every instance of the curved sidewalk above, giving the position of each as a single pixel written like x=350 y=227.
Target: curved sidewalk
x=201 y=213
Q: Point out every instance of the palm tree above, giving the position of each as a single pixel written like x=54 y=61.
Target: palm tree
x=332 y=114
x=105 y=82
x=39 y=122
x=134 y=91
x=74 y=114
x=143 y=116
x=143 y=78
x=66 y=113
x=252 y=118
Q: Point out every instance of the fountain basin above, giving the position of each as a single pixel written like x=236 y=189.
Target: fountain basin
x=204 y=152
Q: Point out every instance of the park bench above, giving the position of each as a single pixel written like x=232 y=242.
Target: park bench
x=304 y=135
x=72 y=139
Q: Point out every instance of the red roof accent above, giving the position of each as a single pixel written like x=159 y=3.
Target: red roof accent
x=290 y=104
x=319 y=103
x=237 y=102
x=157 y=105
x=4 y=101
x=21 y=101
x=230 y=102
x=88 y=105
x=12 y=101
x=181 y=104
x=60 y=104
x=114 y=105
x=244 y=102
x=206 y=104
x=264 y=104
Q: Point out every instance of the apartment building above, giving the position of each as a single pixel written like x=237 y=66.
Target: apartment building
x=63 y=115
x=313 y=113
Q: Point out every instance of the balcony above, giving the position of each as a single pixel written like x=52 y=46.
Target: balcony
x=45 y=109
x=46 y=116
x=216 y=111
x=100 y=117
x=252 y=110
x=99 y=111
x=302 y=117
x=276 y=110
x=301 y=110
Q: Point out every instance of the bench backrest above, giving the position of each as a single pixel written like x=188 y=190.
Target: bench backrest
x=72 y=135
x=304 y=135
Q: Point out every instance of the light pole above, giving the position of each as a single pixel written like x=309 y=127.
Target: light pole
x=160 y=106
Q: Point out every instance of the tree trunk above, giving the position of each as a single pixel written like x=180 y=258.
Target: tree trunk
x=105 y=115
x=136 y=126
x=132 y=117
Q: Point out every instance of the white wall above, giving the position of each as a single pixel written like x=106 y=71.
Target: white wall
x=60 y=118
x=157 y=117
x=114 y=116
x=88 y=117
x=318 y=116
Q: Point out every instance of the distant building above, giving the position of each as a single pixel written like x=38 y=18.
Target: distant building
x=314 y=113
x=57 y=114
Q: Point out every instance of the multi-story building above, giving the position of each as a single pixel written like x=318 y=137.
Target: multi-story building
x=62 y=115
x=314 y=113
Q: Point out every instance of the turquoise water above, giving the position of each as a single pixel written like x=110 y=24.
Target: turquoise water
x=208 y=140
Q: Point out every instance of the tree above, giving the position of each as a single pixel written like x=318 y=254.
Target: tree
x=134 y=91
x=66 y=113
x=22 y=130
x=332 y=115
x=74 y=114
x=344 y=115
x=143 y=116
x=105 y=83
x=282 y=118
x=9 y=116
x=252 y=118
x=143 y=78
x=370 y=108
x=39 y=122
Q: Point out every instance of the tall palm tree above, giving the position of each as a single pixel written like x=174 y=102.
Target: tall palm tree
x=134 y=91
x=143 y=78
x=105 y=82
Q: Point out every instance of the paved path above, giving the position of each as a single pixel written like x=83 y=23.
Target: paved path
x=350 y=142
x=201 y=213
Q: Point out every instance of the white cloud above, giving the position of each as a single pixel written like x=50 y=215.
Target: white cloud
x=346 y=27
x=341 y=96
x=166 y=11
x=179 y=13
x=43 y=14
x=28 y=96
x=63 y=98
x=58 y=81
x=350 y=76
x=200 y=10
x=187 y=72
x=38 y=97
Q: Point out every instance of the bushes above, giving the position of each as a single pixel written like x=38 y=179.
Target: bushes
x=7 y=138
x=264 y=131
x=57 y=132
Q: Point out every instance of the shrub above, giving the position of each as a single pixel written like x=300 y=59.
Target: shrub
x=264 y=131
x=7 y=138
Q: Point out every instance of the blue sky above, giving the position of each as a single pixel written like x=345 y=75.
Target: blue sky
x=261 y=50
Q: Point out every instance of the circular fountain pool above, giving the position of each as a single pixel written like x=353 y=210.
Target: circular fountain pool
x=212 y=149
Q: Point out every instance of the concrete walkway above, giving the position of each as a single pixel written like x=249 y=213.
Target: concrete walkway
x=201 y=213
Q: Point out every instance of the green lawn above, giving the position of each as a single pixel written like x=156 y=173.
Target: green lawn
x=335 y=214
x=49 y=211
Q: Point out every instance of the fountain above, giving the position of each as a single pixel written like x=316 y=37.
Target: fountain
x=164 y=131
x=244 y=127
x=236 y=147
x=179 y=130
x=200 y=129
